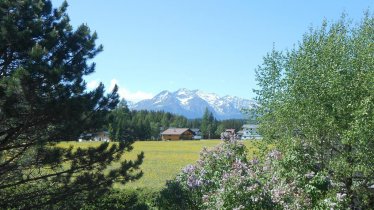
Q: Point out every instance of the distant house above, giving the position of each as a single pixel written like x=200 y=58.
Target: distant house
x=250 y=131
x=177 y=134
x=197 y=133
x=101 y=136
x=98 y=136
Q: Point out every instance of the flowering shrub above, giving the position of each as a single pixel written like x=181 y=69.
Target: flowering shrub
x=224 y=178
x=308 y=184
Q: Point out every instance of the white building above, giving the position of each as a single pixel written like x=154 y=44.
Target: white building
x=98 y=136
x=250 y=131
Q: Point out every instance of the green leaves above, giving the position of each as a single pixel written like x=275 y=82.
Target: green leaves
x=320 y=95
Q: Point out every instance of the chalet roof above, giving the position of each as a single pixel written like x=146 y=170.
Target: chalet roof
x=175 y=131
x=230 y=130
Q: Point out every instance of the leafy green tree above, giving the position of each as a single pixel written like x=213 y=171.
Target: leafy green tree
x=165 y=121
x=155 y=130
x=194 y=123
x=220 y=129
x=205 y=123
x=120 y=127
x=208 y=124
x=43 y=99
x=146 y=129
x=319 y=96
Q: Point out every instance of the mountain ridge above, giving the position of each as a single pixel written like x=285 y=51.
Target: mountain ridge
x=192 y=104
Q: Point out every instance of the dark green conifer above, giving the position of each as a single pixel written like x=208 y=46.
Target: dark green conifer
x=43 y=99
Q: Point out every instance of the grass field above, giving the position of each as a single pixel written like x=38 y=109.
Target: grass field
x=163 y=159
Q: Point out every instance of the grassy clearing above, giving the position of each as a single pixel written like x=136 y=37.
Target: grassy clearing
x=163 y=159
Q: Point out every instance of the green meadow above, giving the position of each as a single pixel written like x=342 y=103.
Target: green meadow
x=163 y=159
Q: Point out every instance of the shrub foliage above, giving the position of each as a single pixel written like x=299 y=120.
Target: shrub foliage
x=319 y=97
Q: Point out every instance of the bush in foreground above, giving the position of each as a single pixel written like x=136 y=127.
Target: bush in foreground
x=223 y=178
x=121 y=199
x=319 y=97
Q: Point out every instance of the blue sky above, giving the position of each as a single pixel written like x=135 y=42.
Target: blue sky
x=211 y=45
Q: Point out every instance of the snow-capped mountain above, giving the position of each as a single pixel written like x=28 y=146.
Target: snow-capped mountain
x=192 y=104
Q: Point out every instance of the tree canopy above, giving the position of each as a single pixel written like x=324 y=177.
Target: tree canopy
x=43 y=100
x=319 y=98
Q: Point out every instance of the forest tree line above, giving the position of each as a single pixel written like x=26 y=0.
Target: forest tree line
x=147 y=125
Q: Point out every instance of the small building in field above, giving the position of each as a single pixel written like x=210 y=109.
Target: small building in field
x=177 y=134
x=250 y=131
x=101 y=136
x=98 y=136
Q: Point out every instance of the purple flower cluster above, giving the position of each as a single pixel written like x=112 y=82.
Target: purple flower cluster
x=188 y=169
x=224 y=178
x=193 y=181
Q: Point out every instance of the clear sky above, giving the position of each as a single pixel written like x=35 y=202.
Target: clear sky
x=211 y=45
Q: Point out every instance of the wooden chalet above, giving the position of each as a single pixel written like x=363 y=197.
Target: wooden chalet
x=177 y=134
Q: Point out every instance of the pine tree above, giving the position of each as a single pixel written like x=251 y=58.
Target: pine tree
x=208 y=124
x=43 y=100
x=120 y=127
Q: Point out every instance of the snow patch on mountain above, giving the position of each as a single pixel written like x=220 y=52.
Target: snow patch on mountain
x=185 y=101
x=192 y=104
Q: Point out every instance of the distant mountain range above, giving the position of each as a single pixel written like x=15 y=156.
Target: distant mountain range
x=192 y=104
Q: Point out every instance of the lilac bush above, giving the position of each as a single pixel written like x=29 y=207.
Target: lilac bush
x=224 y=178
